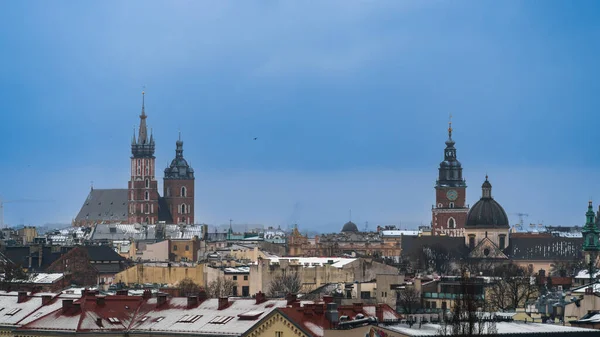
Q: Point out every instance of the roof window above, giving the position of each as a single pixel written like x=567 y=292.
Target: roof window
x=13 y=311
x=220 y=319
x=114 y=320
x=189 y=318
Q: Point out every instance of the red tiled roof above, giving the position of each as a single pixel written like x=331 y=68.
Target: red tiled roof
x=312 y=320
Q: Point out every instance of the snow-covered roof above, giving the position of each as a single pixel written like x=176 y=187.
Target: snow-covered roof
x=581 y=290
x=585 y=274
x=336 y=262
x=13 y=313
x=238 y=270
x=501 y=328
x=399 y=232
x=175 y=317
x=42 y=278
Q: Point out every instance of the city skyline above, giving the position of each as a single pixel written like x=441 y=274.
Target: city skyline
x=349 y=105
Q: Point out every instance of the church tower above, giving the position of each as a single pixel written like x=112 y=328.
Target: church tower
x=591 y=243
x=178 y=186
x=143 y=187
x=449 y=213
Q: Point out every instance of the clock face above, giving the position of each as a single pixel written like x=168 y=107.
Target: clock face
x=452 y=195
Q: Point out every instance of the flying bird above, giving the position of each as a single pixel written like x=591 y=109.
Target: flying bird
x=255 y=138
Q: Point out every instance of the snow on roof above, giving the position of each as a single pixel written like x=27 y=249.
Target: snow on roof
x=13 y=313
x=174 y=316
x=585 y=274
x=239 y=270
x=501 y=327
x=399 y=232
x=336 y=262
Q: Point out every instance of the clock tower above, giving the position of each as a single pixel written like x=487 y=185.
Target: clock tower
x=449 y=213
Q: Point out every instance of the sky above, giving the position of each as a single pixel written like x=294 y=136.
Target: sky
x=349 y=100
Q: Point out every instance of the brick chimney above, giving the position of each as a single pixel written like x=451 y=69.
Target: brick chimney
x=260 y=297
x=161 y=299
x=46 y=299
x=100 y=300
x=358 y=307
x=66 y=305
x=202 y=295
x=291 y=298
x=147 y=294
x=379 y=313
x=122 y=292
x=319 y=308
x=192 y=301
x=223 y=303
x=21 y=296
x=327 y=299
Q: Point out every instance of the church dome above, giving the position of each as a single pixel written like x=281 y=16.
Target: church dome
x=487 y=213
x=350 y=227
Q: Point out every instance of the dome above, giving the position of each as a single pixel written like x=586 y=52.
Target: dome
x=487 y=213
x=350 y=227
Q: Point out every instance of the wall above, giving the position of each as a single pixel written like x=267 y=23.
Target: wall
x=156 y=252
x=363 y=331
x=184 y=250
x=141 y=274
x=587 y=303
x=385 y=285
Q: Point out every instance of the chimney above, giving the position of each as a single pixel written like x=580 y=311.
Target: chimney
x=161 y=299
x=223 y=303
x=66 y=305
x=21 y=296
x=100 y=300
x=307 y=308
x=542 y=273
x=332 y=314
x=147 y=294
x=379 y=313
x=192 y=301
x=99 y=321
x=76 y=306
x=260 y=297
x=46 y=299
x=327 y=299
x=122 y=292
x=358 y=307
x=319 y=308
x=202 y=296
x=291 y=298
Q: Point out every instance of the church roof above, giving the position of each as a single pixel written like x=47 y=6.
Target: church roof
x=487 y=213
x=350 y=227
x=104 y=205
x=544 y=248
x=179 y=168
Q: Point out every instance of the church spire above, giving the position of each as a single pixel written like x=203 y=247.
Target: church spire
x=486 y=189
x=143 y=134
x=450 y=171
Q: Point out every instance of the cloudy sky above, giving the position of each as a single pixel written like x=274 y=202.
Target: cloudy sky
x=349 y=100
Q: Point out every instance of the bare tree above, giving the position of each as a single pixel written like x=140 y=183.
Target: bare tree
x=286 y=283
x=188 y=287
x=567 y=268
x=467 y=316
x=513 y=287
x=435 y=258
x=408 y=300
x=11 y=272
x=220 y=287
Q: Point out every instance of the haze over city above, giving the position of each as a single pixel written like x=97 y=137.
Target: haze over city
x=348 y=101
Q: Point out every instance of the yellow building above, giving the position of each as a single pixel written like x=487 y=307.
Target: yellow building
x=163 y=273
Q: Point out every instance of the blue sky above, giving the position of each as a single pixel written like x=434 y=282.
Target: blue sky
x=349 y=100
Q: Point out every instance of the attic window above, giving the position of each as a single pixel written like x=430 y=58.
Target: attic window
x=220 y=320
x=251 y=315
x=159 y=319
x=145 y=318
x=114 y=320
x=189 y=318
x=13 y=311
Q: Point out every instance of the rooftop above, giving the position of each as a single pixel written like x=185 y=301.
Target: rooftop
x=502 y=328
x=336 y=262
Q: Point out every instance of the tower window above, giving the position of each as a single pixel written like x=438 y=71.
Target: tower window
x=147 y=182
x=146 y=195
x=451 y=223
x=451 y=205
x=183 y=191
x=147 y=220
x=131 y=195
x=183 y=209
x=168 y=193
x=502 y=241
x=183 y=219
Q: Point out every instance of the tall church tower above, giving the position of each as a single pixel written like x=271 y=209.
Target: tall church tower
x=178 y=186
x=591 y=241
x=449 y=213
x=143 y=187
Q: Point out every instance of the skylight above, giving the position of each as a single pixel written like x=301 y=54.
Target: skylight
x=13 y=311
x=114 y=320
x=220 y=319
x=189 y=318
x=160 y=319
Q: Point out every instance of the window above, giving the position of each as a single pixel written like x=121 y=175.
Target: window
x=183 y=219
x=146 y=195
x=183 y=209
x=444 y=305
x=235 y=291
x=168 y=193
x=13 y=311
x=189 y=318
x=471 y=241
x=451 y=223
x=278 y=333
x=147 y=183
x=147 y=220
x=245 y=291
x=451 y=205
x=114 y=320
x=187 y=248
x=220 y=319
x=183 y=191
x=245 y=277
x=502 y=242
x=174 y=247
x=234 y=277
x=433 y=305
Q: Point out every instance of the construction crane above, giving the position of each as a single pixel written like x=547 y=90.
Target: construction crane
x=521 y=216
x=2 y=202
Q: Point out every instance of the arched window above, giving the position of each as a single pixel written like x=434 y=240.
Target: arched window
x=502 y=241
x=182 y=219
x=451 y=223
x=183 y=209
x=451 y=205
x=146 y=195
x=147 y=183
x=147 y=220
x=183 y=191
x=131 y=195
x=168 y=193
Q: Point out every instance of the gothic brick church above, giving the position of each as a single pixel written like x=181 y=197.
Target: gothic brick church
x=140 y=202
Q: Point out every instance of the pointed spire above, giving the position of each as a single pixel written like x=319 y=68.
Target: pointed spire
x=450 y=127
x=486 y=188
x=151 y=136
x=133 y=141
x=143 y=134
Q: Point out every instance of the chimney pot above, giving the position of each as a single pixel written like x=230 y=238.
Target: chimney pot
x=260 y=297
x=202 y=295
x=161 y=299
x=21 y=296
x=67 y=304
x=379 y=313
x=192 y=301
x=291 y=298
